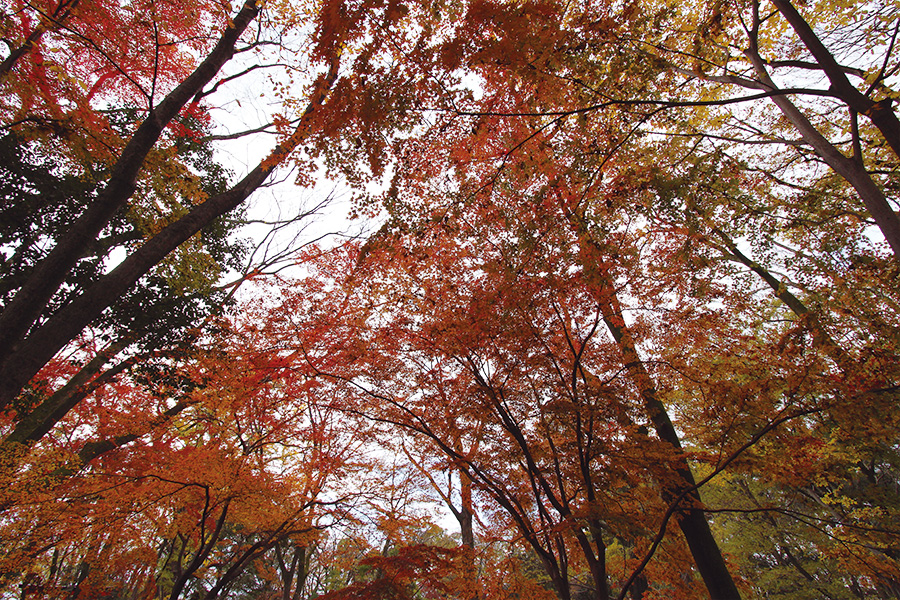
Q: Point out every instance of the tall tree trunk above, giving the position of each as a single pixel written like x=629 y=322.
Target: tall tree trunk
x=595 y=557
x=465 y=517
x=692 y=520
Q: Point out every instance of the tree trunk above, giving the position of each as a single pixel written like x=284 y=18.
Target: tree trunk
x=853 y=171
x=692 y=520
x=880 y=113
x=31 y=300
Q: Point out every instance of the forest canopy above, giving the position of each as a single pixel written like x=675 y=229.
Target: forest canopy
x=624 y=321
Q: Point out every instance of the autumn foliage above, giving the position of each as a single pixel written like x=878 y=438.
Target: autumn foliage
x=623 y=321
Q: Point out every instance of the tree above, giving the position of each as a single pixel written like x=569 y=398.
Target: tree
x=182 y=495
x=623 y=277
x=160 y=315
x=657 y=186
x=477 y=364
x=720 y=36
x=22 y=313
x=30 y=337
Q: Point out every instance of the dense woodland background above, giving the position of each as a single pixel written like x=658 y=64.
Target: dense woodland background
x=625 y=323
